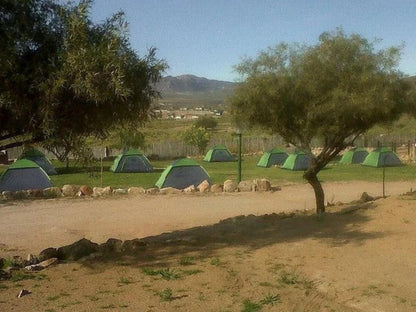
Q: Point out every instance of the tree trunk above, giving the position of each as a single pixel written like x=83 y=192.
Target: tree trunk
x=312 y=178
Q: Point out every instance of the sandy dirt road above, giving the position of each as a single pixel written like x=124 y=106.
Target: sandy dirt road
x=30 y=226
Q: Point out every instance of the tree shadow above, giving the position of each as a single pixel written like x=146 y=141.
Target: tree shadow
x=339 y=227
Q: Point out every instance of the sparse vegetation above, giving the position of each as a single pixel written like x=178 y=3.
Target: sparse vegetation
x=186 y=260
x=250 y=306
x=166 y=294
x=270 y=299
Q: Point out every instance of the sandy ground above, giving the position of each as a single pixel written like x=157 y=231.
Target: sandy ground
x=364 y=260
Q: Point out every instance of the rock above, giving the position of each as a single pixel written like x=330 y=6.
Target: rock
x=190 y=189
x=120 y=191
x=245 y=186
x=133 y=246
x=97 y=191
x=152 y=191
x=52 y=192
x=31 y=259
x=366 y=198
x=77 y=250
x=7 y=195
x=35 y=193
x=263 y=185
x=136 y=191
x=108 y=190
x=111 y=245
x=20 y=195
x=48 y=263
x=23 y=292
x=48 y=253
x=170 y=190
x=217 y=188
x=69 y=190
x=86 y=190
x=230 y=186
x=204 y=187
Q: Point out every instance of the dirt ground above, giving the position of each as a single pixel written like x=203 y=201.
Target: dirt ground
x=352 y=260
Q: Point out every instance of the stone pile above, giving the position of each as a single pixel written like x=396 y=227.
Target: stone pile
x=69 y=190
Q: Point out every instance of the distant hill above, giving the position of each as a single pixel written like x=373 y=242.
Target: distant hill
x=193 y=91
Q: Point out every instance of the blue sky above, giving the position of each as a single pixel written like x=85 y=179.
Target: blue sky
x=207 y=37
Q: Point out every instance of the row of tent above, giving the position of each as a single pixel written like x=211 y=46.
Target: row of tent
x=381 y=157
x=32 y=170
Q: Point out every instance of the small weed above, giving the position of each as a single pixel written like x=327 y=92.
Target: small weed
x=50 y=310
x=123 y=305
x=124 y=280
x=166 y=294
x=270 y=299
x=92 y=298
x=2 y=286
x=108 y=306
x=250 y=306
x=186 y=260
x=150 y=272
x=8 y=263
x=266 y=284
x=276 y=267
x=288 y=278
x=169 y=274
x=191 y=272
x=215 y=261
x=232 y=272
x=21 y=276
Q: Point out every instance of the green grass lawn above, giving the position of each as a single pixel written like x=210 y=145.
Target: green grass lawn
x=220 y=172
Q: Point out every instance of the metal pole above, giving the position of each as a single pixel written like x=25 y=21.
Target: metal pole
x=239 y=156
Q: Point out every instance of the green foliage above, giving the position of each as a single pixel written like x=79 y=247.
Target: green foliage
x=186 y=260
x=71 y=78
x=206 y=122
x=130 y=138
x=198 y=137
x=270 y=299
x=334 y=90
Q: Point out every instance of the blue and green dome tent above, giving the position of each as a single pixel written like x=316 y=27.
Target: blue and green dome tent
x=23 y=175
x=382 y=157
x=131 y=161
x=354 y=156
x=183 y=173
x=39 y=158
x=297 y=161
x=275 y=156
x=219 y=153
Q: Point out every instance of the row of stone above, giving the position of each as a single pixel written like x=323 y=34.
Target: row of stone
x=69 y=190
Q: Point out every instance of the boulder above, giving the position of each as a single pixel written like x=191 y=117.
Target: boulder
x=97 y=191
x=20 y=195
x=366 y=198
x=204 y=187
x=111 y=245
x=48 y=253
x=262 y=185
x=246 y=186
x=69 y=190
x=133 y=246
x=190 y=189
x=120 y=191
x=108 y=190
x=52 y=192
x=136 y=191
x=35 y=193
x=152 y=191
x=86 y=190
x=31 y=259
x=170 y=190
x=77 y=250
x=217 y=188
x=42 y=265
x=7 y=195
x=230 y=186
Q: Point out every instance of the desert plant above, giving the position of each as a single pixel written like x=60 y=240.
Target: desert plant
x=166 y=294
x=270 y=299
x=250 y=306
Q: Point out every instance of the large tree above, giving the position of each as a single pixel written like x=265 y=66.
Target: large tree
x=334 y=90
x=64 y=78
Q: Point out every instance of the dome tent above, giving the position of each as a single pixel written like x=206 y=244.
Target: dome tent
x=354 y=156
x=131 y=161
x=183 y=173
x=275 y=156
x=22 y=175
x=382 y=157
x=40 y=159
x=297 y=161
x=219 y=153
